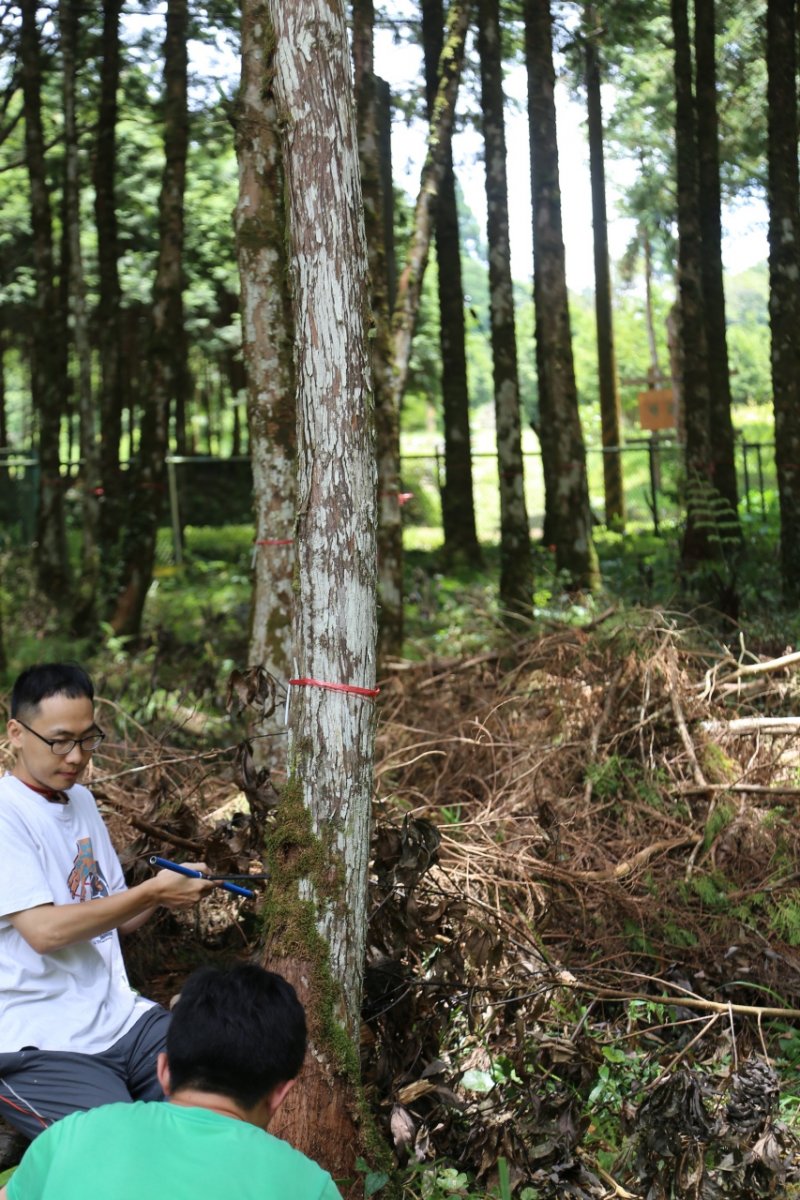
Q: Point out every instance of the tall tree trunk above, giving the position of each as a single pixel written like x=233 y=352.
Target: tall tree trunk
x=316 y=923
x=692 y=326
x=710 y=217
x=167 y=346
x=260 y=221
x=387 y=414
x=654 y=370
x=516 y=562
x=4 y=439
x=562 y=437
x=409 y=285
x=85 y=599
x=179 y=422
x=458 y=507
x=610 y=416
x=784 y=274
x=48 y=368
x=108 y=315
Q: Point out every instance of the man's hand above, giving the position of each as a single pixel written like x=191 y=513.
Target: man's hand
x=49 y=927
x=181 y=891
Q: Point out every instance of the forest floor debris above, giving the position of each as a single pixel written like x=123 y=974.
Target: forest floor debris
x=584 y=945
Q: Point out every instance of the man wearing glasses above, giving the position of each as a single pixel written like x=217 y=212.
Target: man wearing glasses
x=73 y=1034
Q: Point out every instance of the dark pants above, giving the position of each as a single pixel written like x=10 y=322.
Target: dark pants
x=38 y=1087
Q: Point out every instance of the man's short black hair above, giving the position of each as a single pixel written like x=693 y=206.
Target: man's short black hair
x=238 y=1032
x=38 y=683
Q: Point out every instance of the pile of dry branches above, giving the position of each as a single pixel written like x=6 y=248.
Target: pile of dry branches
x=594 y=861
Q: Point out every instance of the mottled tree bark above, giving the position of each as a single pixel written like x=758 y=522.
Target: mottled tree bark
x=569 y=515
x=516 y=562
x=108 y=315
x=48 y=369
x=458 y=506
x=85 y=600
x=610 y=416
x=710 y=217
x=692 y=327
x=316 y=916
x=784 y=274
x=167 y=343
x=387 y=414
x=260 y=221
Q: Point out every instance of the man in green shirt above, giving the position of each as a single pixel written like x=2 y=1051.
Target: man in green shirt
x=235 y=1046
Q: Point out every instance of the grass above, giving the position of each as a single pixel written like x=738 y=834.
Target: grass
x=421 y=449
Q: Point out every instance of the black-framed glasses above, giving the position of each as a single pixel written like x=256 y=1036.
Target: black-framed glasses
x=62 y=746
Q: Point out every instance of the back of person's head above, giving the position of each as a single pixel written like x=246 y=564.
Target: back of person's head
x=38 y=683
x=238 y=1032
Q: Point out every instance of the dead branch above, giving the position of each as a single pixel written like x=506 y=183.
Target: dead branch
x=752 y=725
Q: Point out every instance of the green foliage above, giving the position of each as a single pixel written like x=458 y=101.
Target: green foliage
x=374 y=1181
x=711 y=889
x=718 y=767
x=623 y=777
x=784 y=919
x=419 y=477
x=439 y=1181
x=678 y=936
x=719 y=819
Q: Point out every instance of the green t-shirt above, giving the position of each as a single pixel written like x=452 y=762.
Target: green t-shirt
x=164 y=1151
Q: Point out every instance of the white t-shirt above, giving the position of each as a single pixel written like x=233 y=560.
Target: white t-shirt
x=77 y=998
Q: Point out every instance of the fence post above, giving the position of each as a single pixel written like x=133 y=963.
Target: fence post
x=652 y=456
x=174 y=512
x=761 y=479
x=746 y=471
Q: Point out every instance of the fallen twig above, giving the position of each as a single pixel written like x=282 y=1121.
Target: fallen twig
x=752 y=725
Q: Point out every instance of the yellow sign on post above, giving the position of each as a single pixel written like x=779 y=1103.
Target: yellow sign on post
x=657 y=409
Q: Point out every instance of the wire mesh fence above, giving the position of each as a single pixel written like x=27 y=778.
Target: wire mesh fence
x=207 y=491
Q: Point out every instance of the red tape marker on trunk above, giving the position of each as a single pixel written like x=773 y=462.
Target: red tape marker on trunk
x=335 y=687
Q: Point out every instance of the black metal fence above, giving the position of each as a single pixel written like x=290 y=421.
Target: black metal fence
x=217 y=491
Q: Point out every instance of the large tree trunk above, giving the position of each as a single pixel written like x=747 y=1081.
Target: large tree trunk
x=692 y=327
x=387 y=415
x=458 y=508
x=267 y=344
x=167 y=346
x=85 y=599
x=516 y=562
x=409 y=285
x=4 y=441
x=710 y=217
x=562 y=437
x=784 y=274
x=610 y=418
x=108 y=314
x=316 y=919
x=48 y=368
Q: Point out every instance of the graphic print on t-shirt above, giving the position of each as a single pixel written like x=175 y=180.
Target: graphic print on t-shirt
x=86 y=880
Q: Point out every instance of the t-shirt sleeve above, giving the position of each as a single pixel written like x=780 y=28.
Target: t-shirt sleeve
x=329 y=1190
x=29 y=1179
x=23 y=880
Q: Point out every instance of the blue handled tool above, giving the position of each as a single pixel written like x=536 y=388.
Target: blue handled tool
x=155 y=861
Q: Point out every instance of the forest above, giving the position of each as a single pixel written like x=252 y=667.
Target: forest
x=399 y=419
